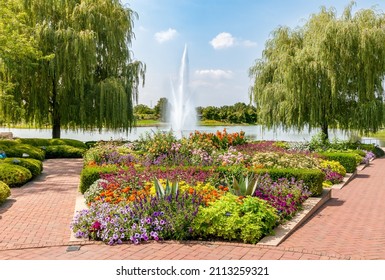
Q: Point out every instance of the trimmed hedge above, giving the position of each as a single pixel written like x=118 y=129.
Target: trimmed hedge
x=5 y=192
x=312 y=178
x=33 y=165
x=41 y=142
x=63 y=151
x=14 y=175
x=347 y=160
x=15 y=149
x=92 y=173
x=378 y=152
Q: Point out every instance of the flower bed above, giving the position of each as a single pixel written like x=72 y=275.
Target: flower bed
x=205 y=186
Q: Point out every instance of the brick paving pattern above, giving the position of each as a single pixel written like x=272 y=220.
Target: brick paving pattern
x=34 y=224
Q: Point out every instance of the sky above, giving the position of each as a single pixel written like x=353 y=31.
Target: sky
x=224 y=38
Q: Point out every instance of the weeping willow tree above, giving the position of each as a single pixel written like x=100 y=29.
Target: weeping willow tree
x=18 y=53
x=90 y=80
x=326 y=74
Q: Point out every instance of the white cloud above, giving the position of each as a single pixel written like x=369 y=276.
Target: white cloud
x=215 y=73
x=164 y=36
x=222 y=41
x=225 y=40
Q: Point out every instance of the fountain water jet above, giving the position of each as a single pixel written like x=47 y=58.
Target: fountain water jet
x=182 y=113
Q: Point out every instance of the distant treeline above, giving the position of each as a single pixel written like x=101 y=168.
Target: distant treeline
x=239 y=113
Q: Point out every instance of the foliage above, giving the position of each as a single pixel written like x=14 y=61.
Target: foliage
x=285 y=160
x=33 y=165
x=105 y=153
x=5 y=192
x=14 y=149
x=89 y=79
x=41 y=142
x=283 y=194
x=348 y=160
x=238 y=113
x=63 y=151
x=14 y=175
x=231 y=218
x=92 y=173
x=171 y=188
x=327 y=73
x=244 y=185
x=156 y=144
x=251 y=148
x=311 y=178
x=94 y=190
x=333 y=166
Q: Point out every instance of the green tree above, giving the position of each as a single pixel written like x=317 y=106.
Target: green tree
x=18 y=52
x=143 y=109
x=92 y=80
x=160 y=109
x=327 y=73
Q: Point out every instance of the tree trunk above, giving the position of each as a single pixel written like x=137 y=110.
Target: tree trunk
x=55 y=112
x=55 y=124
x=324 y=128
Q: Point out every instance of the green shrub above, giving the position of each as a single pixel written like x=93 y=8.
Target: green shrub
x=17 y=150
x=14 y=175
x=41 y=142
x=63 y=151
x=347 y=160
x=33 y=165
x=230 y=218
x=68 y=142
x=5 y=191
x=312 y=178
x=378 y=152
x=92 y=173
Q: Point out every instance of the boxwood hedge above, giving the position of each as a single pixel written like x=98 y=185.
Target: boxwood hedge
x=92 y=173
x=33 y=165
x=14 y=175
x=5 y=192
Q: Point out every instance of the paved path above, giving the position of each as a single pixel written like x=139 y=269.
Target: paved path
x=34 y=224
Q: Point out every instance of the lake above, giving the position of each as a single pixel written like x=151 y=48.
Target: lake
x=256 y=132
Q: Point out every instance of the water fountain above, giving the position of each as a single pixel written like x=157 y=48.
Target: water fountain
x=181 y=110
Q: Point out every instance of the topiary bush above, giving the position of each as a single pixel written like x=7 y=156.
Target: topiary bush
x=14 y=149
x=5 y=192
x=232 y=218
x=33 y=165
x=41 y=142
x=63 y=151
x=14 y=175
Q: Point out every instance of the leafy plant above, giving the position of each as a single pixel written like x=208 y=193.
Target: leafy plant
x=231 y=218
x=14 y=175
x=5 y=191
x=169 y=189
x=244 y=185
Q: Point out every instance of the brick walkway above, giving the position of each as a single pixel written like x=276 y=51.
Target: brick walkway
x=34 y=224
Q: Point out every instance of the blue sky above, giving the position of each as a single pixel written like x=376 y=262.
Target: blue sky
x=223 y=37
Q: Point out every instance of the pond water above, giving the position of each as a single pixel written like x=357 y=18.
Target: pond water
x=256 y=132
